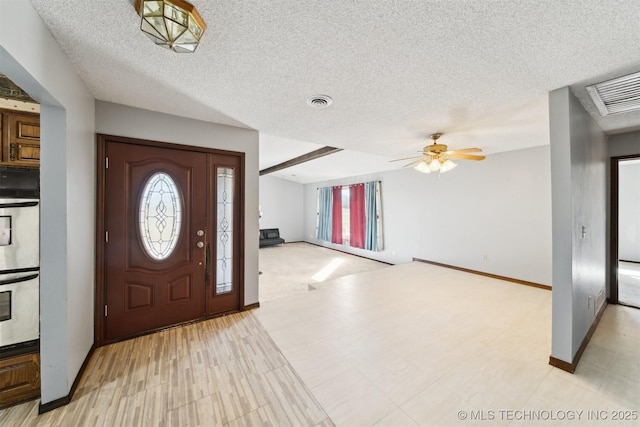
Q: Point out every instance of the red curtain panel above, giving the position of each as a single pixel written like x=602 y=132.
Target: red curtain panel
x=336 y=233
x=358 y=219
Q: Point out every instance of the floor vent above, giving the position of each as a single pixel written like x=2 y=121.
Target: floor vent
x=619 y=95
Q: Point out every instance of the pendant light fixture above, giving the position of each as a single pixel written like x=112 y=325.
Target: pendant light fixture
x=173 y=24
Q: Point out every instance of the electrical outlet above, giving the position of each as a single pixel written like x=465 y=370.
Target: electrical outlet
x=485 y=257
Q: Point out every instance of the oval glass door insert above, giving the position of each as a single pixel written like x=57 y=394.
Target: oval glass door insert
x=160 y=216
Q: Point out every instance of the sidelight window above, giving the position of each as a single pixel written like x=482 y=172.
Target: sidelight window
x=224 y=229
x=160 y=216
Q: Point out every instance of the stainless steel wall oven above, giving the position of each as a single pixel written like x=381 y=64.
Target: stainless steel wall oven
x=19 y=259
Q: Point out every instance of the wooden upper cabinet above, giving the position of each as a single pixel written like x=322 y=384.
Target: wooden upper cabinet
x=20 y=139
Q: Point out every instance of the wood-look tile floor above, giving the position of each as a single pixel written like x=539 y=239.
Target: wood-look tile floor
x=225 y=371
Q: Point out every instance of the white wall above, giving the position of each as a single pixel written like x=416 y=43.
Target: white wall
x=629 y=210
x=492 y=216
x=121 y=120
x=30 y=56
x=281 y=203
x=580 y=238
x=624 y=144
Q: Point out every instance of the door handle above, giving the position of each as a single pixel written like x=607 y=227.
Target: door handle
x=18 y=205
x=18 y=279
x=200 y=245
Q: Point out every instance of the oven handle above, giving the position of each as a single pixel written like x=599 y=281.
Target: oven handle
x=18 y=205
x=18 y=279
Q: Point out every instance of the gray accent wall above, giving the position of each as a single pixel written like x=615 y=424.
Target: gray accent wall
x=580 y=223
x=122 y=120
x=492 y=216
x=30 y=56
x=281 y=204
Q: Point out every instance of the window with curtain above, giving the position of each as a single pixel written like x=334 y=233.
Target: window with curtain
x=325 y=214
x=346 y=226
x=336 y=217
x=351 y=215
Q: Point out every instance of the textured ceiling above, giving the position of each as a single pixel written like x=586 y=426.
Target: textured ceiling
x=478 y=71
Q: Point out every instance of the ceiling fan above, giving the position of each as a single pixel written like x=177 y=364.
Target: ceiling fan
x=437 y=158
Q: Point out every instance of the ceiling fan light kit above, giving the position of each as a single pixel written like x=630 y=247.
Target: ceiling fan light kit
x=436 y=157
x=435 y=165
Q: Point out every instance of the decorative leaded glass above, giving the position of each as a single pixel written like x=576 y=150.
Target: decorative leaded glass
x=160 y=216
x=224 y=229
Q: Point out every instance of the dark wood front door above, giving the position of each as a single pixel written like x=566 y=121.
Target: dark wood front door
x=172 y=240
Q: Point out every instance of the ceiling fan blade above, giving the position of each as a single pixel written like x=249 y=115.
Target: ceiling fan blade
x=465 y=156
x=414 y=163
x=466 y=150
x=404 y=158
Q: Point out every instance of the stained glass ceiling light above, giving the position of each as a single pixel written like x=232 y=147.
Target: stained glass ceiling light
x=173 y=24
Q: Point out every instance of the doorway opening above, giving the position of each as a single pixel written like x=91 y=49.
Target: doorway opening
x=625 y=230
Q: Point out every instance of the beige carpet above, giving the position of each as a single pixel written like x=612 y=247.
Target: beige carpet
x=295 y=268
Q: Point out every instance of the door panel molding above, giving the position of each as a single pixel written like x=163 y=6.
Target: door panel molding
x=179 y=288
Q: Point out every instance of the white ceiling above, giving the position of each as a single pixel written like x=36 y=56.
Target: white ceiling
x=478 y=71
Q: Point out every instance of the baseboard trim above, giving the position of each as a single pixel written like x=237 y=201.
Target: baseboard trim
x=42 y=408
x=482 y=273
x=54 y=404
x=251 y=306
x=561 y=364
x=571 y=367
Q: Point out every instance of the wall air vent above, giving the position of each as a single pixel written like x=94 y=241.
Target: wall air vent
x=619 y=95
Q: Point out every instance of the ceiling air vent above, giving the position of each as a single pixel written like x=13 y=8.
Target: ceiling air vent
x=320 y=101
x=619 y=95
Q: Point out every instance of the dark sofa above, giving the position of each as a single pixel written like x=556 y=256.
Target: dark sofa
x=270 y=236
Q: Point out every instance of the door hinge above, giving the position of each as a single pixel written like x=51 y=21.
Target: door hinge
x=106 y=163
x=106 y=311
x=106 y=236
